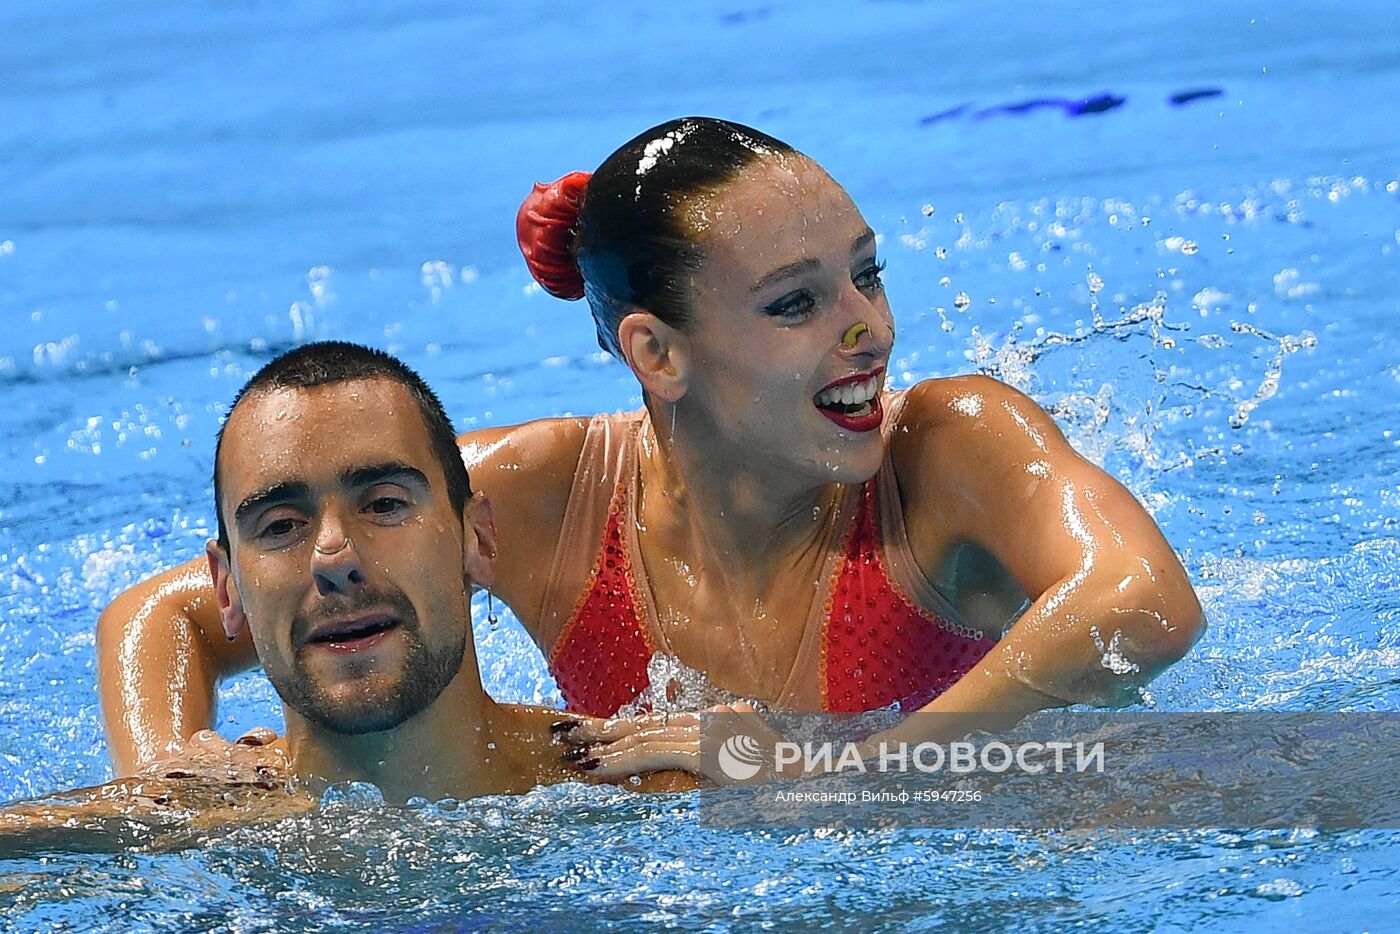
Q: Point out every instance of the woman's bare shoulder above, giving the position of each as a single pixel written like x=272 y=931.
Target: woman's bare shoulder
x=532 y=459
x=956 y=401
x=965 y=432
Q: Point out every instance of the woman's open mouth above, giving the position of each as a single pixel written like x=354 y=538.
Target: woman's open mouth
x=853 y=402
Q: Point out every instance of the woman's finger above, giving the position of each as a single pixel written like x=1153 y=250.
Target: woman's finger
x=257 y=736
x=655 y=756
x=594 y=730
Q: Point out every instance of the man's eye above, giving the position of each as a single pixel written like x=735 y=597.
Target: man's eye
x=387 y=505
x=793 y=306
x=278 y=528
x=868 y=279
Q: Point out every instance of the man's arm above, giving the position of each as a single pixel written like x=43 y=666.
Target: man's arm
x=161 y=651
x=150 y=812
x=1112 y=606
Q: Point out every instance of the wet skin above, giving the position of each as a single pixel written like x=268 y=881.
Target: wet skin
x=351 y=569
x=735 y=497
x=346 y=556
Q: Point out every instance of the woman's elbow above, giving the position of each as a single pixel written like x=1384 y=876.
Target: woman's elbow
x=1169 y=620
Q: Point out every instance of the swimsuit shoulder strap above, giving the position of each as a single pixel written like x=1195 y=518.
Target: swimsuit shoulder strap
x=901 y=565
x=608 y=447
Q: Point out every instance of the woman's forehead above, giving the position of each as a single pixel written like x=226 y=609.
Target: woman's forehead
x=777 y=211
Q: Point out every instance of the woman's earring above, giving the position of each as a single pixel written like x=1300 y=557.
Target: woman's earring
x=673 y=421
x=491 y=619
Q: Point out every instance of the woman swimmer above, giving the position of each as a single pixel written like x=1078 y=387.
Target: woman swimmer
x=773 y=516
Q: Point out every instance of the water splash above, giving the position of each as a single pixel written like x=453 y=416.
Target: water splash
x=674 y=687
x=1268 y=386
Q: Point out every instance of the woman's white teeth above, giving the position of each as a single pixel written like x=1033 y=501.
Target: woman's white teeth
x=849 y=394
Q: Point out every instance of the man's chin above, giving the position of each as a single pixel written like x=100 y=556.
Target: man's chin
x=362 y=717
x=367 y=695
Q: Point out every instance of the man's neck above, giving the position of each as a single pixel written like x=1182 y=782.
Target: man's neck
x=444 y=751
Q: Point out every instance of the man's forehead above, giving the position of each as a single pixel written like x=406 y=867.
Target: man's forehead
x=293 y=433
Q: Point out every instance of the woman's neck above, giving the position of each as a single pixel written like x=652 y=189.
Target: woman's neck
x=734 y=507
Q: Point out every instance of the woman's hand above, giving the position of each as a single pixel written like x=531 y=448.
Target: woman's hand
x=254 y=758
x=621 y=746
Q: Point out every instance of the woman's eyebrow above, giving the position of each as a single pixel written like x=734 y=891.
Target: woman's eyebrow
x=782 y=272
x=807 y=265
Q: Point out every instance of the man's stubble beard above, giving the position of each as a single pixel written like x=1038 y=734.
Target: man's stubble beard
x=423 y=676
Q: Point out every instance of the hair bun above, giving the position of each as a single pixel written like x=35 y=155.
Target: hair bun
x=545 y=230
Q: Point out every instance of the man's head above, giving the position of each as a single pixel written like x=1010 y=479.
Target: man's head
x=348 y=536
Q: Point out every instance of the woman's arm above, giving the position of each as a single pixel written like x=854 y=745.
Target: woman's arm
x=1111 y=604
x=161 y=651
x=527 y=472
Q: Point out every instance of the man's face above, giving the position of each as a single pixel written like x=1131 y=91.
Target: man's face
x=347 y=559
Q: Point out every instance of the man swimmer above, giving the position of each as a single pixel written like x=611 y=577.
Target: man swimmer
x=348 y=545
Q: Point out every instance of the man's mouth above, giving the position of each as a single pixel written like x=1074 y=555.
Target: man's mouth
x=853 y=402
x=356 y=634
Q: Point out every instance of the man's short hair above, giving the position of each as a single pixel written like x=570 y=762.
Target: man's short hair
x=325 y=362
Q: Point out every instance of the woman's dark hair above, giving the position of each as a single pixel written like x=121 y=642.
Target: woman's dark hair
x=633 y=242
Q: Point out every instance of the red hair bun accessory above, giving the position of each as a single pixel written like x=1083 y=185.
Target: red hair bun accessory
x=545 y=230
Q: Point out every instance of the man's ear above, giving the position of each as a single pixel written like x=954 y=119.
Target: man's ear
x=226 y=592
x=657 y=353
x=479 y=544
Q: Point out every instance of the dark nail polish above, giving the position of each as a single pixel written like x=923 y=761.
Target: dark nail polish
x=249 y=741
x=177 y=774
x=231 y=638
x=562 y=726
x=575 y=754
x=588 y=765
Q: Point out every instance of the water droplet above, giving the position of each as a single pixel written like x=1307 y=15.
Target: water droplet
x=961 y=301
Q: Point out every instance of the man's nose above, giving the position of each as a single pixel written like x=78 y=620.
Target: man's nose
x=335 y=561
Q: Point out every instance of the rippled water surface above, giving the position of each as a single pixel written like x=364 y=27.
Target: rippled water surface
x=1177 y=227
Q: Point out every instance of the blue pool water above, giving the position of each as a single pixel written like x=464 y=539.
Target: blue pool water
x=1203 y=292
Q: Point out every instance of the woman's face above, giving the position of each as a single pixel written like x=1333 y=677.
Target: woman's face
x=790 y=329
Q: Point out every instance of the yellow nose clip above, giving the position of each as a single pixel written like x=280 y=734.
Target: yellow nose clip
x=852 y=335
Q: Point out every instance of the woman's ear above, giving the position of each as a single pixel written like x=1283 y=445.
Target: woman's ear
x=226 y=595
x=479 y=542
x=657 y=353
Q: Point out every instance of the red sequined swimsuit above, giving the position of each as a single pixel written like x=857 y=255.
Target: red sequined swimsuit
x=881 y=635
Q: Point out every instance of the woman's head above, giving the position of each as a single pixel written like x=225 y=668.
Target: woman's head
x=626 y=236
x=727 y=268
